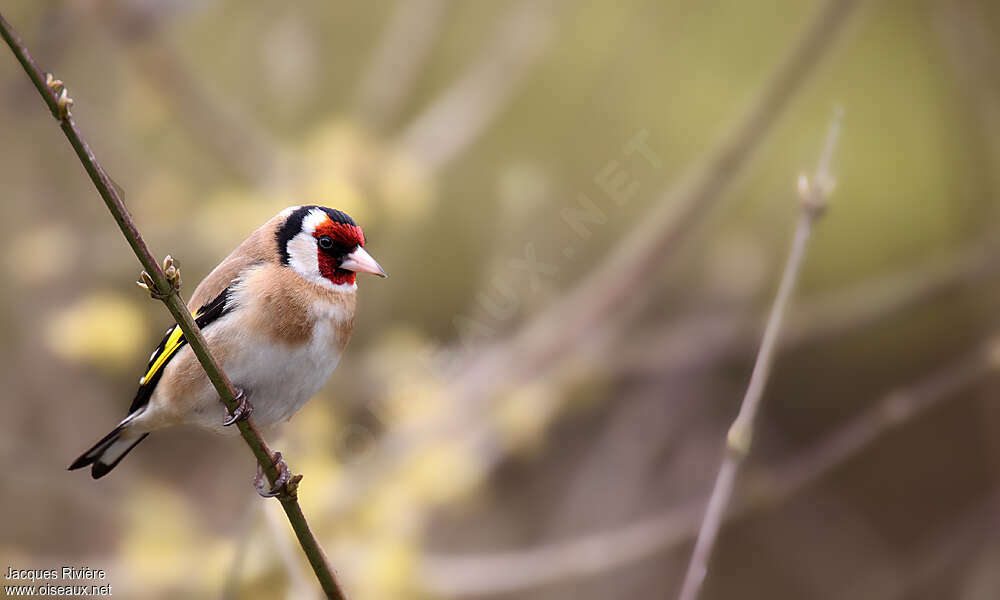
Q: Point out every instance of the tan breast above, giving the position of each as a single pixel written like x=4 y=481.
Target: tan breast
x=282 y=339
x=286 y=307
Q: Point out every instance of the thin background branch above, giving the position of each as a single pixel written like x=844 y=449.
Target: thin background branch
x=463 y=112
x=738 y=441
x=224 y=127
x=545 y=342
x=765 y=488
x=399 y=57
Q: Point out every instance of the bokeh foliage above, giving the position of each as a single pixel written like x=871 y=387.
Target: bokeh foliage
x=213 y=116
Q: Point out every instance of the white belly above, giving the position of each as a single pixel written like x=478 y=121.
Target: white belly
x=278 y=379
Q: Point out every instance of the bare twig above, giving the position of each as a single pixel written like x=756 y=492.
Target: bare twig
x=596 y=553
x=813 y=198
x=588 y=555
x=166 y=288
x=462 y=113
x=970 y=46
x=221 y=125
x=401 y=52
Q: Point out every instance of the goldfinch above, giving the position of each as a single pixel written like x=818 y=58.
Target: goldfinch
x=277 y=314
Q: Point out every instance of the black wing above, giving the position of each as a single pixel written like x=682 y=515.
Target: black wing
x=173 y=341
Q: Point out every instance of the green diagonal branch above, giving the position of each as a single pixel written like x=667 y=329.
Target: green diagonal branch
x=59 y=105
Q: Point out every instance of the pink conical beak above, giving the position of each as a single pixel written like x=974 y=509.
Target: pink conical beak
x=360 y=261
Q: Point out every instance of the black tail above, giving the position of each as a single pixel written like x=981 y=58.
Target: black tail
x=107 y=453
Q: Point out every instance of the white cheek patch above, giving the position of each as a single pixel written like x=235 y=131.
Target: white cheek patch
x=303 y=257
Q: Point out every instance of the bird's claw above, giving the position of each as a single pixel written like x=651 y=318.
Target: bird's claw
x=285 y=485
x=242 y=411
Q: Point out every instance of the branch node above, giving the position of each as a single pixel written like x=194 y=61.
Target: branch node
x=292 y=487
x=173 y=271
x=738 y=439
x=63 y=101
x=173 y=274
x=813 y=194
x=52 y=82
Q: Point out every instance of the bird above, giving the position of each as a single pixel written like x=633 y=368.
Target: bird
x=277 y=315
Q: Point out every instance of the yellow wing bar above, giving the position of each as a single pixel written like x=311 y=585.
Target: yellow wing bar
x=173 y=342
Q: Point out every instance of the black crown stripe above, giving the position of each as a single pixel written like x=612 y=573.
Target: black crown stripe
x=293 y=225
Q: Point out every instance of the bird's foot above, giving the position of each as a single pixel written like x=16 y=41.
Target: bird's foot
x=243 y=409
x=285 y=485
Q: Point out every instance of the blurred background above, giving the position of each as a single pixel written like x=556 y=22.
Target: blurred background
x=584 y=209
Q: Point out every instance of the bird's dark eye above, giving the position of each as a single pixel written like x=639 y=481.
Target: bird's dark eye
x=325 y=242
